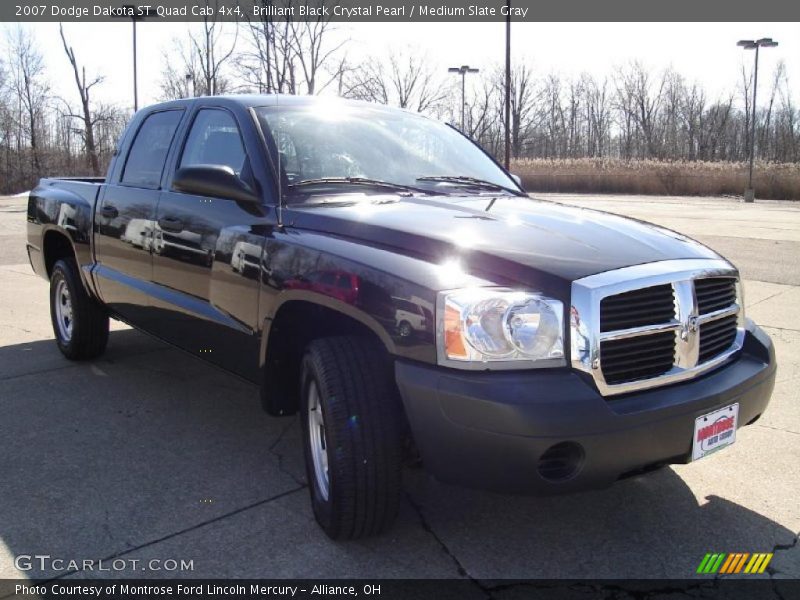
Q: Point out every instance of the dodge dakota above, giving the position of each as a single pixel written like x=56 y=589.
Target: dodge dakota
x=378 y=273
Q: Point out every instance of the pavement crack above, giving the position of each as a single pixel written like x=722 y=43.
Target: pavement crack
x=180 y=532
x=460 y=568
x=39 y=372
x=772 y=571
x=76 y=365
x=780 y=328
x=18 y=328
x=280 y=456
x=770 y=297
x=777 y=429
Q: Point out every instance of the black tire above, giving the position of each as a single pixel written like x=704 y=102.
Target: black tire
x=88 y=335
x=405 y=330
x=362 y=424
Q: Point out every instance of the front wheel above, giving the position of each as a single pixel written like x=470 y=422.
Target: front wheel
x=405 y=330
x=80 y=324
x=351 y=433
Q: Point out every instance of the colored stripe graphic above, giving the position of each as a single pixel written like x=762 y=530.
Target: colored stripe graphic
x=749 y=566
x=733 y=563
x=718 y=564
x=764 y=564
x=710 y=563
x=714 y=563
x=703 y=563
x=740 y=564
x=727 y=564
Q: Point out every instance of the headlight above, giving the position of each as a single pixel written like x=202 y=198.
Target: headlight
x=492 y=328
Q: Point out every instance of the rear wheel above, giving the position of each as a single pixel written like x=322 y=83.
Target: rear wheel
x=80 y=323
x=351 y=433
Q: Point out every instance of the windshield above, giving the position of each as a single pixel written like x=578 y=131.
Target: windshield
x=364 y=145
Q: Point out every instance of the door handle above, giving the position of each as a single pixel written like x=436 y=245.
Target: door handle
x=109 y=212
x=171 y=224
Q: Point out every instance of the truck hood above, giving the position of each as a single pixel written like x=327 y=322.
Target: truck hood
x=563 y=241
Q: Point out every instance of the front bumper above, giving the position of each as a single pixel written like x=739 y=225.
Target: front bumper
x=491 y=430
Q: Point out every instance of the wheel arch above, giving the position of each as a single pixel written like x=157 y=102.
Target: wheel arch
x=56 y=245
x=296 y=320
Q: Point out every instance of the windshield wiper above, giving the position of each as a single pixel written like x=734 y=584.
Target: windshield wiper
x=360 y=181
x=470 y=181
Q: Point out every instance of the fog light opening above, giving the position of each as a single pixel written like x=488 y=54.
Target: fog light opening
x=561 y=462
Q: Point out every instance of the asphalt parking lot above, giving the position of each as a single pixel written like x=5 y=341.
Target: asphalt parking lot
x=150 y=454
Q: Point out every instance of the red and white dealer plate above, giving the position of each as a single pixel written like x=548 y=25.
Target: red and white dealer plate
x=714 y=431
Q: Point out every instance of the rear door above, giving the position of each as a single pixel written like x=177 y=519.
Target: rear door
x=208 y=252
x=125 y=218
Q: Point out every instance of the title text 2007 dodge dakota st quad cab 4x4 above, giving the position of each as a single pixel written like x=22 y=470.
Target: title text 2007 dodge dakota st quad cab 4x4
x=376 y=271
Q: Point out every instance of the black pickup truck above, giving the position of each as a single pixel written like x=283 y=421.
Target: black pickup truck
x=379 y=273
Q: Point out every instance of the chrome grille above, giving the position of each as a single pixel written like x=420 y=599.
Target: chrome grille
x=642 y=357
x=716 y=337
x=653 y=324
x=647 y=306
x=714 y=293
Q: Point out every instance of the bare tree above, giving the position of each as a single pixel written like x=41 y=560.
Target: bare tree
x=207 y=46
x=405 y=79
x=29 y=85
x=746 y=90
x=693 y=106
x=641 y=99
x=268 y=63
x=521 y=105
x=197 y=64
x=181 y=76
x=786 y=127
x=84 y=90
x=315 y=53
x=598 y=111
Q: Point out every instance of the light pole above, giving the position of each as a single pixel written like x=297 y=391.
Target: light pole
x=508 y=89
x=137 y=13
x=462 y=70
x=749 y=193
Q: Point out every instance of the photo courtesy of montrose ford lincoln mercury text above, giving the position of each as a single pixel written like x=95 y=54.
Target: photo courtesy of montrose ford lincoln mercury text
x=376 y=272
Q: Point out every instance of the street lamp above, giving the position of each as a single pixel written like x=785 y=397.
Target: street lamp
x=137 y=13
x=462 y=70
x=507 y=161
x=749 y=193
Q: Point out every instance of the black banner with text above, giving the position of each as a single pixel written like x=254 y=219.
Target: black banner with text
x=401 y=10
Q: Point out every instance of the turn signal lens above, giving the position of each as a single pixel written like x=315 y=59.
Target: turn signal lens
x=452 y=334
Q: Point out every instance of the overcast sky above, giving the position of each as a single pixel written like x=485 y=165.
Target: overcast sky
x=702 y=52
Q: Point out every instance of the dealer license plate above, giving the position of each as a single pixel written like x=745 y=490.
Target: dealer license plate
x=714 y=431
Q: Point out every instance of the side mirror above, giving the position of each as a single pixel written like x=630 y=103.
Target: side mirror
x=215 y=181
x=517 y=178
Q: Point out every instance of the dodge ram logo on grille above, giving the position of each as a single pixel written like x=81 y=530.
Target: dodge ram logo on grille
x=678 y=318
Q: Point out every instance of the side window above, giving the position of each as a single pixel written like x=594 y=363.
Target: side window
x=148 y=152
x=214 y=140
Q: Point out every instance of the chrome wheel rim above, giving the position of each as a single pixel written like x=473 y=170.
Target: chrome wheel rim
x=63 y=306
x=319 y=448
